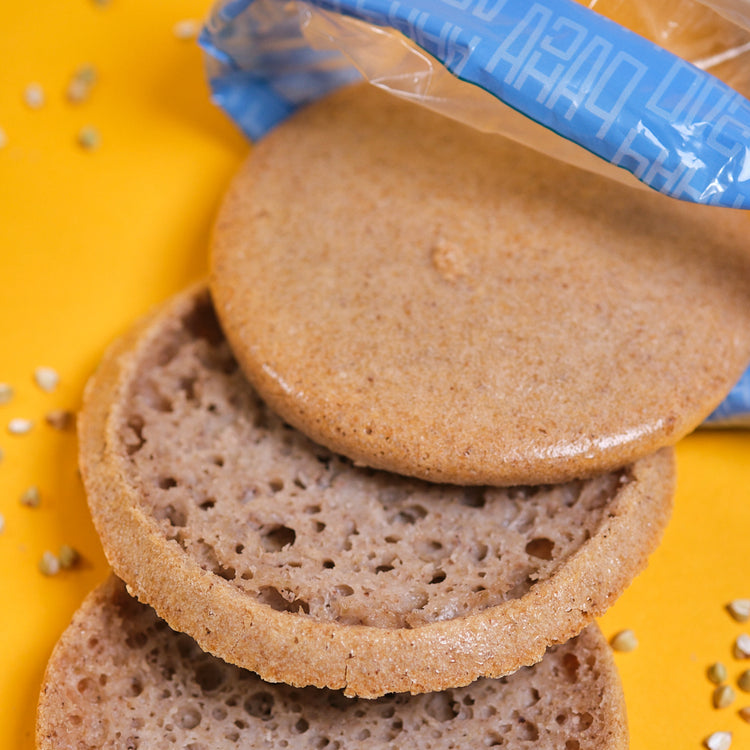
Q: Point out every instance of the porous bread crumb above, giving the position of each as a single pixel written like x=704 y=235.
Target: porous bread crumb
x=303 y=530
x=121 y=678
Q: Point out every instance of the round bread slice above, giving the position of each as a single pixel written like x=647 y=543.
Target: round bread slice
x=442 y=303
x=120 y=678
x=283 y=558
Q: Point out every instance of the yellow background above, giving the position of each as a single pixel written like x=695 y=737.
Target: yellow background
x=91 y=239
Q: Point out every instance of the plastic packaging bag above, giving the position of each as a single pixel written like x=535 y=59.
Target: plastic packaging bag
x=553 y=74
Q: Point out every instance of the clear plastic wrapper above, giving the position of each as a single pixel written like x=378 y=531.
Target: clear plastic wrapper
x=650 y=95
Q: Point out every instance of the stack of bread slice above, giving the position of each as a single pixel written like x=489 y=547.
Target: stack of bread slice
x=372 y=487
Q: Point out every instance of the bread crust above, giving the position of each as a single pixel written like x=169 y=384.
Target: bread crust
x=362 y=660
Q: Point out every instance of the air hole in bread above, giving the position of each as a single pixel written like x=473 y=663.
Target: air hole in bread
x=410 y=515
x=583 y=721
x=176 y=516
x=209 y=675
x=430 y=549
x=187 y=386
x=397 y=726
x=541 y=547
x=135 y=688
x=438 y=577
x=572 y=745
x=228 y=573
x=442 y=706
x=276 y=538
x=474 y=497
x=527 y=730
x=275 y=599
x=133 y=435
x=260 y=705
x=571 y=664
x=189 y=718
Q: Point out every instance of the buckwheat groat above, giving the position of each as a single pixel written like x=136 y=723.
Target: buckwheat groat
x=119 y=677
x=283 y=558
x=437 y=302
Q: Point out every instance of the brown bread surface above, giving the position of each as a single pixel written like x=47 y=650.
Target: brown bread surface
x=121 y=678
x=281 y=557
x=435 y=301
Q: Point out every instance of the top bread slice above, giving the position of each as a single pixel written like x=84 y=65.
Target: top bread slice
x=283 y=558
x=120 y=678
x=431 y=300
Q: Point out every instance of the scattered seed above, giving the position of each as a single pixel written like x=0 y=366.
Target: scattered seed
x=717 y=673
x=60 y=419
x=68 y=556
x=742 y=647
x=739 y=609
x=2 y=523
x=723 y=696
x=49 y=565
x=743 y=681
x=744 y=713
x=624 y=641
x=31 y=497
x=3 y=138
x=33 y=96
x=19 y=426
x=6 y=393
x=89 y=138
x=719 y=741
x=186 y=29
x=46 y=378
x=81 y=83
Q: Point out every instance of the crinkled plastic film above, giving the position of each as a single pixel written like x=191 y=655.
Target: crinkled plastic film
x=664 y=107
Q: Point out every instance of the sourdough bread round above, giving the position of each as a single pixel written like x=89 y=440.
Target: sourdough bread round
x=442 y=303
x=120 y=678
x=283 y=558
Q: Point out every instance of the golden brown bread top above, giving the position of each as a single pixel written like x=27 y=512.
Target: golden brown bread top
x=433 y=301
x=283 y=558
